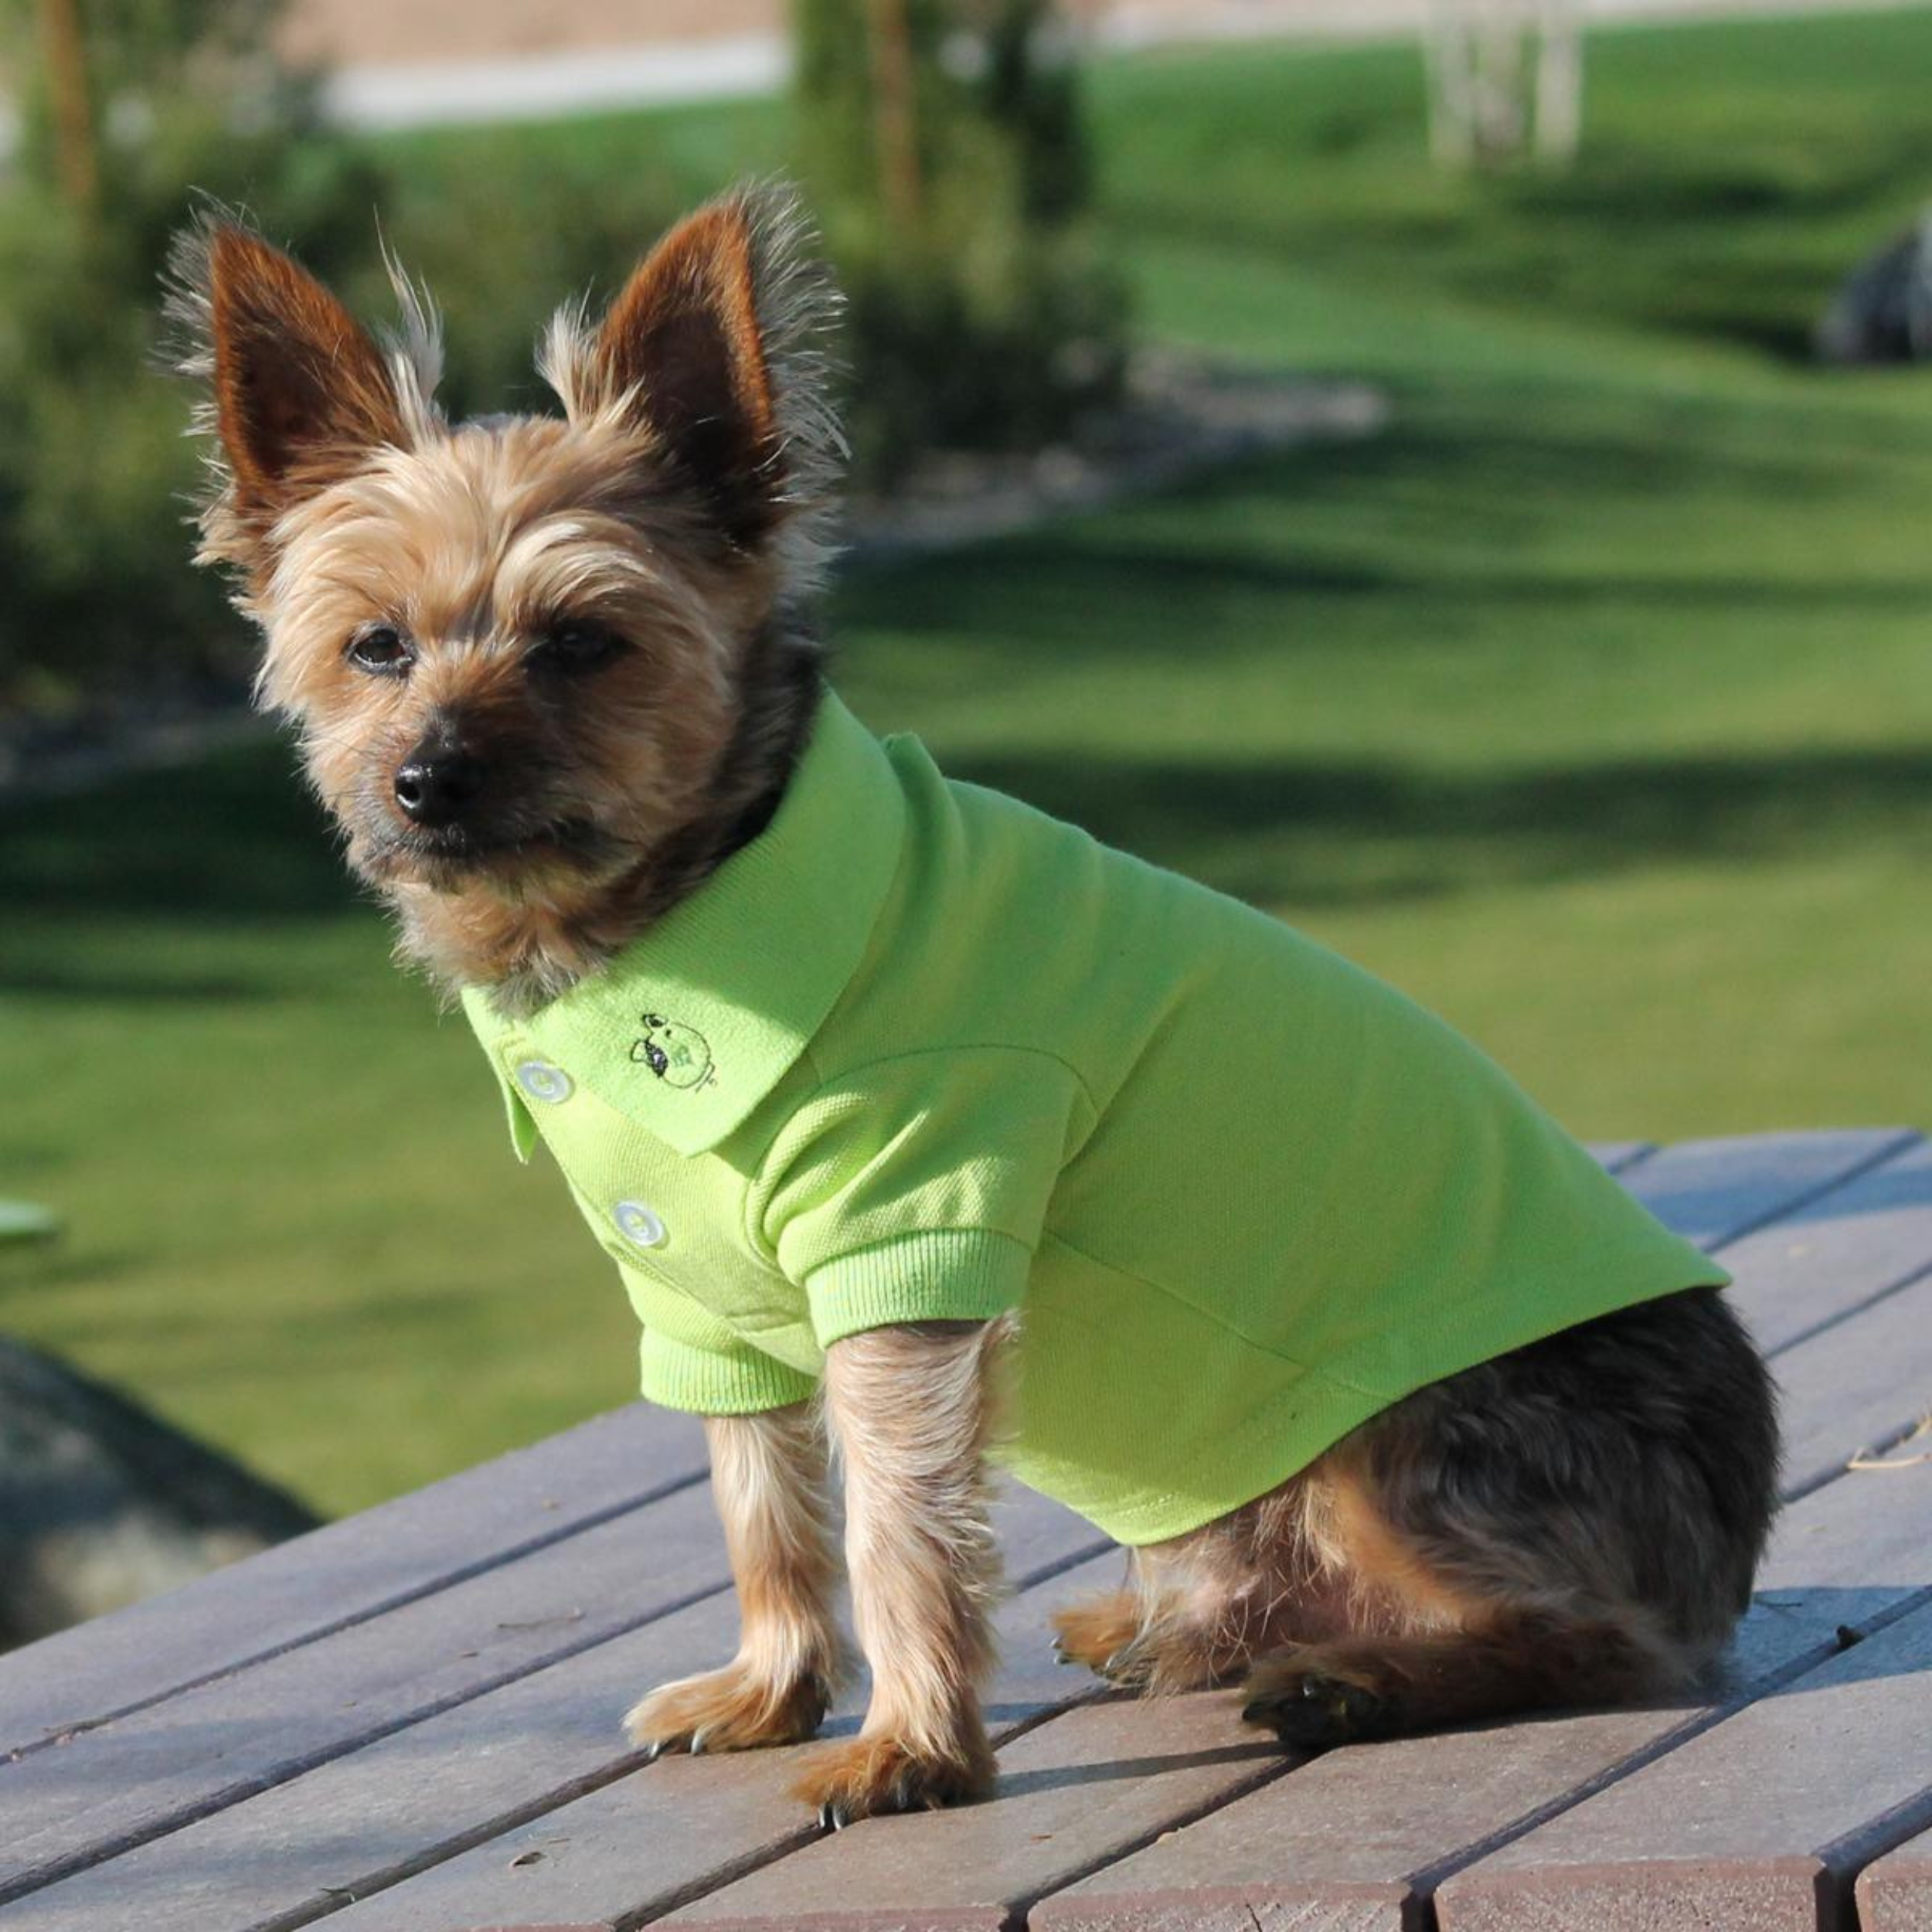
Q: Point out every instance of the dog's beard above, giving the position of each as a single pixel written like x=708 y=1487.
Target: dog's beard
x=517 y=864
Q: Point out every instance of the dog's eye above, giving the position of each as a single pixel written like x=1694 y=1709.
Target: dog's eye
x=578 y=644
x=381 y=648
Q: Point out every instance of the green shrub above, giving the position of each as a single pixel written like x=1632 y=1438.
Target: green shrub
x=499 y=247
x=95 y=593
x=942 y=145
x=97 y=603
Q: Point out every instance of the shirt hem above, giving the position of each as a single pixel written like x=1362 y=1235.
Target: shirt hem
x=958 y=1274
x=1316 y=1410
x=699 y=1383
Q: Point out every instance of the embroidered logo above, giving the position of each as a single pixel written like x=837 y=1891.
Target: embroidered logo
x=680 y=1056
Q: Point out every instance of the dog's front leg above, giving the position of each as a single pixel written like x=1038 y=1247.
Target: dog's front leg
x=768 y=1475
x=910 y=1407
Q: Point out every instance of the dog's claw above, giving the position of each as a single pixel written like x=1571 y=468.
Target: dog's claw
x=695 y=1747
x=653 y=1751
x=832 y=1816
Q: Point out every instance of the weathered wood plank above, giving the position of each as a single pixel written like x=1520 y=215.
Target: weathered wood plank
x=1859 y=1385
x=1717 y=1191
x=655 y=1837
x=1038 y=1538
x=979 y=1871
x=122 y=1782
x=356 y=1824
x=1345 y=1844
x=1895 y=1894
x=347 y=1571
x=1760 y=1824
x=1838 y=1561
x=137 y=1777
x=1356 y=1840
x=1091 y=1785
x=1861 y=1239
x=1852 y=1552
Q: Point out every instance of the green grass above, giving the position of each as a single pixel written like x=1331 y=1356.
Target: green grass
x=1591 y=703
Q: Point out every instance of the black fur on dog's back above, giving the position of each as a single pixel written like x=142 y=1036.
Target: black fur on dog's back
x=1575 y=1522
x=1630 y=1462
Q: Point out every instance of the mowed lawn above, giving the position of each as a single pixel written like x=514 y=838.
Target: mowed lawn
x=1592 y=703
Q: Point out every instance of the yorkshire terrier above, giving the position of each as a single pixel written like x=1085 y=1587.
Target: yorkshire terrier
x=1409 y=1416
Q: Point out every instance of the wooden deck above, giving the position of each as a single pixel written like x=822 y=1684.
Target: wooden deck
x=410 y=1719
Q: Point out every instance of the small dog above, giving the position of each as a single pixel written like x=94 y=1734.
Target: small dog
x=963 y=1136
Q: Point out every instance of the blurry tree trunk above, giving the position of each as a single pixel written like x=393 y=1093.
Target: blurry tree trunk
x=1505 y=79
x=69 y=101
x=1559 y=81
x=945 y=151
x=895 y=76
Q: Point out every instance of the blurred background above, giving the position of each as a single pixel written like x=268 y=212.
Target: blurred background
x=1455 y=476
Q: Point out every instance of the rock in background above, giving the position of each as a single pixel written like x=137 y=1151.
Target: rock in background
x=1884 y=313
x=101 y=1503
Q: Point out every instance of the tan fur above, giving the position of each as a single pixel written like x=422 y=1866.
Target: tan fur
x=912 y=1411
x=1201 y=1607
x=768 y=1475
x=1388 y=1575
x=476 y=544
x=680 y=503
x=1312 y=1583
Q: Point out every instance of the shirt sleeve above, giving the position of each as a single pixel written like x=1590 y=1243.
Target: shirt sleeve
x=917 y=1189
x=692 y=1360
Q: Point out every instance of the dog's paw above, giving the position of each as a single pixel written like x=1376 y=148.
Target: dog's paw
x=866 y=1776
x=1102 y=1633
x=727 y=1710
x=1314 y=1697
x=1106 y=1635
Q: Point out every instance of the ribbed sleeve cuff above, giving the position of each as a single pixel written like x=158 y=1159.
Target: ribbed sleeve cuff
x=709 y=1382
x=960 y=1274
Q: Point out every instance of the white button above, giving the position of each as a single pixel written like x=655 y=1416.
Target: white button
x=543 y=1082
x=636 y=1222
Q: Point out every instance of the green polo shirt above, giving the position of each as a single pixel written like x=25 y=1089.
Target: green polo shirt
x=920 y=1052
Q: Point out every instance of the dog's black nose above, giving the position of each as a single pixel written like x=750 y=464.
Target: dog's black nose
x=436 y=784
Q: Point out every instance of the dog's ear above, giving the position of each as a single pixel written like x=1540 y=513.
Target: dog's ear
x=713 y=347
x=299 y=394
x=684 y=343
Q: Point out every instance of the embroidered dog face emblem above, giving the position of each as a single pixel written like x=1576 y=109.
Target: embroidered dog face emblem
x=680 y=1056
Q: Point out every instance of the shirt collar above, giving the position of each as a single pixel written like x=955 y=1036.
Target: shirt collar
x=690 y=1027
